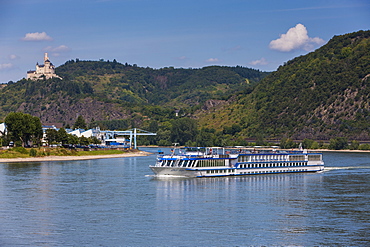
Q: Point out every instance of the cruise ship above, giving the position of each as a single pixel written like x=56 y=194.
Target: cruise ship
x=216 y=161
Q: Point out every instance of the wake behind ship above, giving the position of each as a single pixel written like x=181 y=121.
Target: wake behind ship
x=216 y=161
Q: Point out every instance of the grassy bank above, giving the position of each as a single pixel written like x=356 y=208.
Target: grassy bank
x=20 y=152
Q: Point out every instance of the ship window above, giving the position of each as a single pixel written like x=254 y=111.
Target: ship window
x=296 y=157
x=315 y=157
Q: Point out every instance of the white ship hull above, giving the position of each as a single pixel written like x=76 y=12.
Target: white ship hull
x=211 y=164
x=227 y=171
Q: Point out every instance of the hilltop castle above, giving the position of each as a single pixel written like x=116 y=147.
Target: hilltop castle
x=47 y=69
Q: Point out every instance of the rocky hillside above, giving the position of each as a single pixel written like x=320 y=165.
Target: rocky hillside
x=108 y=90
x=321 y=95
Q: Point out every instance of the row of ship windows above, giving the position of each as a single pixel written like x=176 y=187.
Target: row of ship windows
x=190 y=163
x=182 y=163
x=207 y=163
x=278 y=158
x=220 y=171
x=262 y=165
x=247 y=158
x=275 y=171
x=223 y=171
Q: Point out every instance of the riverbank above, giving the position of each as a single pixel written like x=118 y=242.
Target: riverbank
x=66 y=158
x=341 y=150
x=311 y=150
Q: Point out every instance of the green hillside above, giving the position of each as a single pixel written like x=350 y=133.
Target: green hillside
x=119 y=95
x=321 y=95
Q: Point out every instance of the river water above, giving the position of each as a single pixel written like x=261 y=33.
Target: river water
x=117 y=202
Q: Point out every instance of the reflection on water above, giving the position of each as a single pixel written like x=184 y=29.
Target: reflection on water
x=274 y=204
x=112 y=202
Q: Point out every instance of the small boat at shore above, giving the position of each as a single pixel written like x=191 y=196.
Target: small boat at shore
x=216 y=161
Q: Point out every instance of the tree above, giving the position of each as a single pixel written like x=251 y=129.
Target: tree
x=36 y=130
x=23 y=128
x=80 y=123
x=206 y=137
x=51 y=135
x=338 y=143
x=72 y=139
x=183 y=130
x=62 y=136
x=235 y=128
x=94 y=140
x=307 y=143
x=287 y=143
x=84 y=141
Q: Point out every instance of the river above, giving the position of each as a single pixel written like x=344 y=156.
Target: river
x=117 y=202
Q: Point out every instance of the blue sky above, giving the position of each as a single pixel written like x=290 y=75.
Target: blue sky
x=161 y=33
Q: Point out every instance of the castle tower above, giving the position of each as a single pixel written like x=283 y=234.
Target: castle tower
x=46 y=57
x=46 y=70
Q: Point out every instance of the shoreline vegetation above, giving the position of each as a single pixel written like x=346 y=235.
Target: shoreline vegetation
x=57 y=155
x=61 y=154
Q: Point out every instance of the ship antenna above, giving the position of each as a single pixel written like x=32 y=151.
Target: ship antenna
x=174 y=148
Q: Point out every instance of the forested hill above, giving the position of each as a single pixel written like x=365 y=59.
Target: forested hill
x=321 y=95
x=108 y=91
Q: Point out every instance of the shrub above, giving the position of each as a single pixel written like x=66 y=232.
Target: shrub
x=21 y=150
x=338 y=143
x=354 y=145
x=64 y=152
x=315 y=145
x=364 y=146
x=33 y=152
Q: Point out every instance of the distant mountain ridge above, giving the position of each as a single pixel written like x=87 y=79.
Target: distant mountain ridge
x=321 y=95
x=108 y=90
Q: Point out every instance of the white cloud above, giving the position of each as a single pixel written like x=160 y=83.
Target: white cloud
x=61 y=48
x=182 y=58
x=261 y=61
x=6 y=66
x=57 y=50
x=295 y=38
x=37 y=37
x=212 y=60
x=13 y=57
